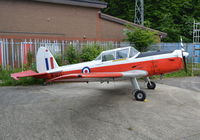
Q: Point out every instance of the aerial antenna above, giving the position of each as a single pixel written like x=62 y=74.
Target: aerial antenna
x=139 y=12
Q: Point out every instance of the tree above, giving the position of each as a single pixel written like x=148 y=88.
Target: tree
x=120 y=8
x=141 y=38
x=175 y=17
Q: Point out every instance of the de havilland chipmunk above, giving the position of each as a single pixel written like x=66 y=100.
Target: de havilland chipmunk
x=110 y=65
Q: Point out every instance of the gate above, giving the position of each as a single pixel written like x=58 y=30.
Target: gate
x=196 y=48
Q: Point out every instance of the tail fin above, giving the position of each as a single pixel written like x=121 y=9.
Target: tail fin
x=45 y=60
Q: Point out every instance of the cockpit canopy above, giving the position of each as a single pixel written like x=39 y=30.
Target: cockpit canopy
x=119 y=53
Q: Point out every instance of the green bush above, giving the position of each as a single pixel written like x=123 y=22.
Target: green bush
x=141 y=38
x=30 y=58
x=71 y=55
x=58 y=59
x=90 y=52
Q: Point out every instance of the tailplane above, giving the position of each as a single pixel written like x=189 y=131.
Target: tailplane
x=45 y=60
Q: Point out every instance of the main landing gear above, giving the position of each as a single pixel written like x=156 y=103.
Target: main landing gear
x=139 y=95
x=150 y=84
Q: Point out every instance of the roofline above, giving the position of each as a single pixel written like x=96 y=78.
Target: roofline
x=83 y=3
x=49 y=37
x=125 y=22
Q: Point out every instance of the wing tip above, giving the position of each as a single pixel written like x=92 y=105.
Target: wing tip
x=17 y=75
x=14 y=77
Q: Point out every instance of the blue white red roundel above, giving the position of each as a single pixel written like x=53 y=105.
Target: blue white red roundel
x=86 y=70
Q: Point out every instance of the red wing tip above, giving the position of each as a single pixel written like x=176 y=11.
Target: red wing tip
x=17 y=75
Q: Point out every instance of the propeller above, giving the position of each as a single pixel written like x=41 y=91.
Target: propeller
x=184 y=58
x=184 y=62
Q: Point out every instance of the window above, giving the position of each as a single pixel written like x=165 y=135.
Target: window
x=133 y=52
x=98 y=57
x=108 y=56
x=121 y=54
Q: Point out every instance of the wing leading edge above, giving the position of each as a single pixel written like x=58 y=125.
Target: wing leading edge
x=100 y=75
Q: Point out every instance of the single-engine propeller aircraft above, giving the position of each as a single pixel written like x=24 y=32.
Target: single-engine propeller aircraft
x=115 y=64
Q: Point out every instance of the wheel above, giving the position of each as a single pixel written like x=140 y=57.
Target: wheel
x=139 y=95
x=152 y=85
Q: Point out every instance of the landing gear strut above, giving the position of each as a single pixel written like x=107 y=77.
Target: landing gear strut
x=150 y=84
x=138 y=94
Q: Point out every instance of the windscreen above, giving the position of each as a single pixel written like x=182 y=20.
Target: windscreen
x=133 y=52
x=121 y=54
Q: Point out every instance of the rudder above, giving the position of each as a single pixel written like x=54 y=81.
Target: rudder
x=45 y=60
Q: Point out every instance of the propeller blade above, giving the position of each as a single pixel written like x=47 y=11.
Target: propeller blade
x=184 y=62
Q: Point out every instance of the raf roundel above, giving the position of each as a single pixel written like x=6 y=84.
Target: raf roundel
x=86 y=70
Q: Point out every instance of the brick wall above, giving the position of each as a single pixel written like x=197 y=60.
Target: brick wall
x=65 y=20
x=111 y=30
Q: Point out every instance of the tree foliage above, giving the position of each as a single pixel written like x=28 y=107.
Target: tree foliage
x=141 y=38
x=71 y=55
x=175 y=17
x=90 y=52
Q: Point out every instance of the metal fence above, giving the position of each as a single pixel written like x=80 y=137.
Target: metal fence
x=188 y=47
x=14 y=53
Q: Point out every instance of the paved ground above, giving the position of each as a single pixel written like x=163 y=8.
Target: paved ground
x=98 y=112
x=190 y=83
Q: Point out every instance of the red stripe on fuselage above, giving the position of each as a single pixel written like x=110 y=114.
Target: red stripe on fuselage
x=153 y=67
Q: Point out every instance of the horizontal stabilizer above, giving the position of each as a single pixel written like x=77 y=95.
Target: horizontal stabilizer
x=28 y=73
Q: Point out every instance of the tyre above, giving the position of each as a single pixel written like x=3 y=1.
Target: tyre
x=152 y=85
x=140 y=95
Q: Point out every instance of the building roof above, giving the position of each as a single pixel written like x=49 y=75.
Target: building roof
x=125 y=22
x=84 y=3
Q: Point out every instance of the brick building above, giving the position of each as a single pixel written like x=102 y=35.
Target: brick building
x=60 y=19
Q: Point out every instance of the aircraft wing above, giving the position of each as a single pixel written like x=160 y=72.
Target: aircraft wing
x=77 y=77
x=99 y=75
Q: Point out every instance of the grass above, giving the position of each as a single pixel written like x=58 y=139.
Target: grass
x=181 y=73
x=6 y=80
